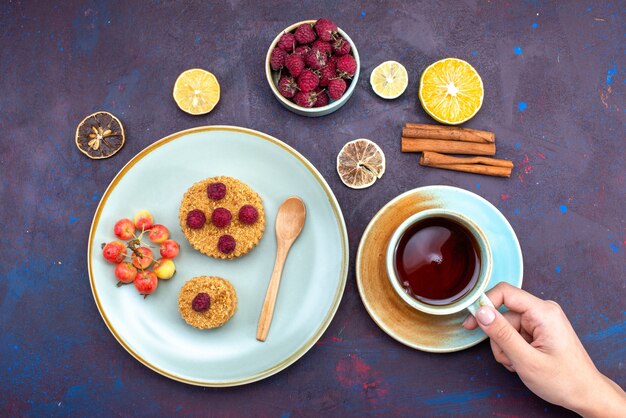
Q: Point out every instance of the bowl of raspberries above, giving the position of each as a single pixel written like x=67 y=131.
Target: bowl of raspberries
x=312 y=67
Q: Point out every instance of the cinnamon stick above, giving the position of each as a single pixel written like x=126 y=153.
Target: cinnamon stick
x=436 y=158
x=447 y=147
x=453 y=133
x=478 y=165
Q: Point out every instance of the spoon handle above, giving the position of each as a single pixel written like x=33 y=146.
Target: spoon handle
x=265 y=320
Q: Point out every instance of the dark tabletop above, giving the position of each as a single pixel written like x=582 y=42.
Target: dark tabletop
x=554 y=83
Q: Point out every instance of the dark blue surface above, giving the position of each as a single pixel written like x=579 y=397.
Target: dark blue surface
x=554 y=83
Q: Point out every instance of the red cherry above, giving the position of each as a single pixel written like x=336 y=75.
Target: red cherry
x=124 y=229
x=143 y=260
x=158 y=233
x=169 y=249
x=114 y=252
x=125 y=272
x=146 y=282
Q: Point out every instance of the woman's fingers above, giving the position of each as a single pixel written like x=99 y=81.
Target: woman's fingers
x=513 y=317
x=499 y=355
x=514 y=298
x=470 y=322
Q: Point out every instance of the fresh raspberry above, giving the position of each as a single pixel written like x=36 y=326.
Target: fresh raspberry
x=287 y=42
x=321 y=100
x=248 y=214
x=295 y=64
x=307 y=81
x=325 y=29
x=196 y=219
x=305 y=34
x=333 y=58
x=221 y=217
x=325 y=47
x=287 y=86
x=336 y=88
x=302 y=50
x=340 y=46
x=315 y=59
x=304 y=99
x=326 y=73
x=216 y=191
x=201 y=302
x=307 y=99
x=226 y=244
x=277 y=59
x=346 y=66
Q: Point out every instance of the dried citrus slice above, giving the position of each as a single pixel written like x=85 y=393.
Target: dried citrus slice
x=100 y=135
x=389 y=79
x=196 y=91
x=360 y=163
x=451 y=91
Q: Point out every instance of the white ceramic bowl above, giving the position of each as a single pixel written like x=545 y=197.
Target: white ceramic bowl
x=272 y=79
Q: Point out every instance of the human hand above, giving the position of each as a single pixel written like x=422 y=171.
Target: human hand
x=536 y=340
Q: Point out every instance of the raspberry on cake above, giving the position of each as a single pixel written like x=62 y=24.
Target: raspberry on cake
x=236 y=217
x=201 y=302
x=248 y=214
x=207 y=302
x=196 y=219
x=221 y=217
x=226 y=244
x=216 y=190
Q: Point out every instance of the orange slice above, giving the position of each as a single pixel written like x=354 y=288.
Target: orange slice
x=451 y=91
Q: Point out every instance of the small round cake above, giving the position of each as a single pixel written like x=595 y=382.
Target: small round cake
x=207 y=302
x=222 y=217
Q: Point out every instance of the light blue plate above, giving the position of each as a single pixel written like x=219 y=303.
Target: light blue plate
x=313 y=281
x=434 y=333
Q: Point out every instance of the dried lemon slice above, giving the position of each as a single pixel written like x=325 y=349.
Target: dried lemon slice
x=451 y=91
x=100 y=135
x=360 y=163
x=196 y=91
x=389 y=79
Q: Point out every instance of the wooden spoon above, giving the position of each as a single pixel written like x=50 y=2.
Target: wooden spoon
x=289 y=223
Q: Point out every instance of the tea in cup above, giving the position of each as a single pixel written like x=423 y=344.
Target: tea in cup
x=440 y=262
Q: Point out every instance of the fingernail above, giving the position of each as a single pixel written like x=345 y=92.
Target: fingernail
x=485 y=315
x=465 y=321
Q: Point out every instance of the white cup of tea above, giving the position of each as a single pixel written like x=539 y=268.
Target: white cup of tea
x=439 y=262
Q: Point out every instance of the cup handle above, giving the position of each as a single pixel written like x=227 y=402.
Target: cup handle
x=483 y=300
